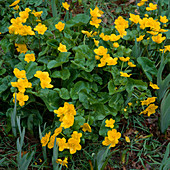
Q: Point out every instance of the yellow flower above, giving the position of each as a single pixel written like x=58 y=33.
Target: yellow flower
x=141 y=3
x=16 y=7
x=73 y=145
x=62 y=144
x=166 y=48
x=15 y=3
x=37 y=14
x=127 y=139
x=22 y=84
x=60 y=26
x=163 y=19
x=121 y=22
x=152 y=32
x=63 y=163
x=112 y=138
x=96 y=42
x=130 y=104
x=158 y=39
x=76 y=135
x=45 y=139
x=40 y=28
x=44 y=78
x=95 y=13
x=111 y=61
x=97 y=57
x=19 y=74
x=22 y=48
x=131 y=64
x=106 y=38
x=58 y=131
x=114 y=37
x=51 y=142
x=134 y=18
x=21 y=98
x=151 y=7
x=89 y=34
x=29 y=57
x=66 y=5
x=150 y=109
x=110 y=123
x=86 y=127
x=67 y=121
x=125 y=74
x=124 y=59
x=101 y=50
x=140 y=38
x=148 y=101
x=146 y=15
x=62 y=48
x=116 y=45
x=95 y=21
x=154 y=86
x=121 y=31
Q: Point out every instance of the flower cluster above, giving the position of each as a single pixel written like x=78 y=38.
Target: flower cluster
x=106 y=58
x=22 y=83
x=95 y=14
x=151 y=108
x=66 y=115
x=19 y=28
x=73 y=143
x=121 y=24
x=44 y=78
x=113 y=135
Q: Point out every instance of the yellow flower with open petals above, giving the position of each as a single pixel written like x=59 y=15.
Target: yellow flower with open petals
x=114 y=37
x=154 y=86
x=125 y=74
x=62 y=48
x=16 y=7
x=150 y=109
x=62 y=144
x=134 y=18
x=21 y=98
x=95 y=21
x=89 y=34
x=110 y=123
x=73 y=145
x=37 y=14
x=163 y=19
x=21 y=48
x=148 y=101
x=96 y=42
x=76 y=135
x=112 y=139
x=45 y=139
x=101 y=50
x=86 y=127
x=60 y=26
x=40 y=28
x=19 y=74
x=158 y=39
x=29 y=57
x=66 y=5
x=151 y=7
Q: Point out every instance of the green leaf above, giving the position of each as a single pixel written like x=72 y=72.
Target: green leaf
x=84 y=58
x=50 y=98
x=63 y=74
x=133 y=83
x=165 y=110
x=79 y=19
x=62 y=58
x=78 y=121
x=148 y=67
x=103 y=129
x=53 y=43
x=63 y=93
x=77 y=88
x=31 y=69
x=99 y=111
